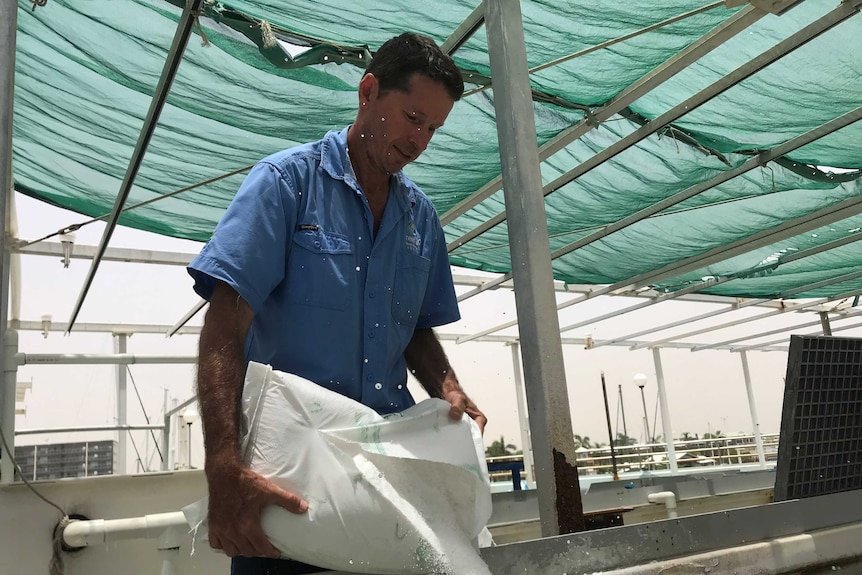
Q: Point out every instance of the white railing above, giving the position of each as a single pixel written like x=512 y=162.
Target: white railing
x=739 y=450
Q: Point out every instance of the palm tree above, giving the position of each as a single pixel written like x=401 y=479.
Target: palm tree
x=686 y=436
x=623 y=439
x=500 y=448
x=583 y=442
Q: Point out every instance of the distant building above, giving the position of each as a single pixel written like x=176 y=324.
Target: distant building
x=59 y=460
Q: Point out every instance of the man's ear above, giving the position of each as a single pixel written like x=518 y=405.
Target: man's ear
x=369 y=89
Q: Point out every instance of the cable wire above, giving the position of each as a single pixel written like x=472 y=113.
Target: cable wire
x=147 y=417
x=11 y=456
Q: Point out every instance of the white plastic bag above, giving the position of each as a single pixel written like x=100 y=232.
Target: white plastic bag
x=402 y=494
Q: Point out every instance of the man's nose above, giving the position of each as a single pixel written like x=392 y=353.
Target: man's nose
x=420 y=138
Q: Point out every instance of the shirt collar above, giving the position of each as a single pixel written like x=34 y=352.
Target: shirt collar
x=335 y=160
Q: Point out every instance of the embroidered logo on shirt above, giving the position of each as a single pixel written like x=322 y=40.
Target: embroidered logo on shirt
x=307 y=227
x=414 y=240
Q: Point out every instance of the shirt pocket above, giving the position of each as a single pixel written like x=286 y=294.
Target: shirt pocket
x=408 y=294
x=319 y=269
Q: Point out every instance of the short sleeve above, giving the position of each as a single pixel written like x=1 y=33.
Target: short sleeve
x=249 y=247
x=440 y=305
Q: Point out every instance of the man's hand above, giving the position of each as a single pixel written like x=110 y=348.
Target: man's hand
x=237 y=497
x=462 y=404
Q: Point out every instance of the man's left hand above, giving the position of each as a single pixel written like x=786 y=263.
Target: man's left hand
x=462 y=404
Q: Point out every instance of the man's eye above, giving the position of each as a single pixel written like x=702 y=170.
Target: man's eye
x=411 y=117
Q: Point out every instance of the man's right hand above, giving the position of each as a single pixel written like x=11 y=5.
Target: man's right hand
x=237 y=498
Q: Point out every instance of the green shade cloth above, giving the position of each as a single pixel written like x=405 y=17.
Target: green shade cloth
x=86 y=71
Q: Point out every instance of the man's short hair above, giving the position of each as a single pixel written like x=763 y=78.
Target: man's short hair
x=401 y=57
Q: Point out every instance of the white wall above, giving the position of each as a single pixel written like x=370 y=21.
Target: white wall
x=28 y=523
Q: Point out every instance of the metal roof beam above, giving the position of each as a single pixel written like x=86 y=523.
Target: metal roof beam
x=823 y=24
x=757 y=161
x=736 y=305
x=823 y=217
x=750 y=319
x=185 y=319
x=770 y=332
x=465 y=30
x=788 y=293
x=147 y=329
x=611 y=42
x=782 y=340
x=76 y=251
x=181 y=38
x=710 y=41
x=653 y=301
x=46 y=326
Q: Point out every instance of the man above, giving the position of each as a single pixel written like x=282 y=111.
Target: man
x=332 y=265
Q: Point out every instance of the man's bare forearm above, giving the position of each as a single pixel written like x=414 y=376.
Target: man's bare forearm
x=428 y=363
x=221 y=372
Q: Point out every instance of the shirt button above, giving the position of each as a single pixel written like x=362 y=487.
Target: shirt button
x=399 y=386
x=371 y=294
x=370 y=378
x=378 y=386
x=371 y=335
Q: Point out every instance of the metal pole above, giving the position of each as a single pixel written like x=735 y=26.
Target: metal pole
x=610 y=430
x=169 y=71
x=526 y=441
x=7 y=403
x=166 y=442
x=464 y=31
x=8 y=342
x=189 y=440
x=560 y=505
x=120 y=344
x=647 y=436
x=824 y=322
x=166 y=432
x=665 y=412
x=623 y=410
x=755 y=423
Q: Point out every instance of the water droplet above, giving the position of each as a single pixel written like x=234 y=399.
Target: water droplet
x=365 y=360
x=382 y=119
x=357 y=268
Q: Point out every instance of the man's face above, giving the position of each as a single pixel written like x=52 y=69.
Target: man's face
x=399 y=124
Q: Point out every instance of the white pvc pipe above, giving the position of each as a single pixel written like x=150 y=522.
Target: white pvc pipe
x=666 y=498
x=98 y=531
x=99 y=359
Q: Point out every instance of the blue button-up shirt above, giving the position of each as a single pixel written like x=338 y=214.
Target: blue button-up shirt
x=332 y=302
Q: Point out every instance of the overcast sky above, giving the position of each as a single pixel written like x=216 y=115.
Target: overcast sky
x=706 y=389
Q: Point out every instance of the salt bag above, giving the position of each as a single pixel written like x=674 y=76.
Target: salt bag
x=405 y=494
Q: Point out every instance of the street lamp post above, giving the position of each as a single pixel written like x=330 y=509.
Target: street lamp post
x=640 y=381
x=189 y=416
